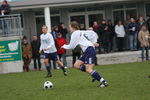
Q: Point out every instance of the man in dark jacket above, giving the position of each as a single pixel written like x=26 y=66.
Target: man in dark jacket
x=133 y=29
x=63 y=30
x=35 y=52
x=105 y=37
x=112 y=34
x=5 y=8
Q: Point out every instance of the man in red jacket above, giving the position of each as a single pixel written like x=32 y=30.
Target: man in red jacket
x=60 y=41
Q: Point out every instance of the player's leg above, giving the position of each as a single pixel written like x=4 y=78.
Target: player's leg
x=60 y=64
x=35 y=64
x=55 y=58
x=79 y=64
x=95 y=75
x=48 y=68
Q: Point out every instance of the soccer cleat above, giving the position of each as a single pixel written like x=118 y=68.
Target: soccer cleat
x=66 y=67
x=103 y=84
x=93 y=80
x=48 y=75
x=65 y=73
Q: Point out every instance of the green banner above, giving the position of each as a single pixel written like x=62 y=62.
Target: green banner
x=10 y=51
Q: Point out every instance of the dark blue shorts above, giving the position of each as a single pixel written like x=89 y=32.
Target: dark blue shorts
x=51 y=56
x=89 y=56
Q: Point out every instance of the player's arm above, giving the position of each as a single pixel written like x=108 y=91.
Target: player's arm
x=94 y=39
x=41 y=48
x=73 y=42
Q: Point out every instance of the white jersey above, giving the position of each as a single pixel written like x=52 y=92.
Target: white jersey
x=92 y=36
x=82 y=38
x=47 y=42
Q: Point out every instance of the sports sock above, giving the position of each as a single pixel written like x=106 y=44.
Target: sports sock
x=48 y=68
x=63 y=69
x=96 y=76
x=83 y=68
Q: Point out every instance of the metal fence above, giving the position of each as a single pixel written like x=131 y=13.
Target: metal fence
x=10 y=25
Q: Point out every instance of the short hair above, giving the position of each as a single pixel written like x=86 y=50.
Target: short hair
x=24 y=38
x=5 y=1
x=44 y=26
x=75 y=25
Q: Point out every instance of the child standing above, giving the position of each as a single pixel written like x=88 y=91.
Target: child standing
x=60 y=41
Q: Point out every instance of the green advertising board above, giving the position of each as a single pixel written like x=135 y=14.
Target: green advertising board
x=10 y=51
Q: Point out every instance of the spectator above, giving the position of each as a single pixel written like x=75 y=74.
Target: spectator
x=35 y=52
x=120 y=32
x=144 y=37
x=55 y=32
x=96 y=28
x=76 y=53
x=82 y=27
x=26 y=54
x=61 y=52
x=105 y=37
x=112 y=34
x=133 y=30
x=141 y=21
x=63 y=30
x=5 y=8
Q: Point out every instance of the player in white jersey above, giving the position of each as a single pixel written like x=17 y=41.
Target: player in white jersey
x=50 y=52
x=87 y=44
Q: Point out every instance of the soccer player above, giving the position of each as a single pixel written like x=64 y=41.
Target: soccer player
x=50 y=52
x=87 y=44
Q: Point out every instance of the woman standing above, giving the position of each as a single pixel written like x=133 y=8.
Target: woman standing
x=26 y=54
x=144 y=37
x=120 y=31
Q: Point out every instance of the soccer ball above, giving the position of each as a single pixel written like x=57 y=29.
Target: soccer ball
x=48 y=85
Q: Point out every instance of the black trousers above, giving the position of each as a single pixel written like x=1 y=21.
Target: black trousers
x=35 y=60
x=120 y=42
x=75 y=56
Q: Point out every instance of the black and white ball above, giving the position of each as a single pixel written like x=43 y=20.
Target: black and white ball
x=48 y=85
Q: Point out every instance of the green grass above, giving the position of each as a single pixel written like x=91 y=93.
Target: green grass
x=126 y=82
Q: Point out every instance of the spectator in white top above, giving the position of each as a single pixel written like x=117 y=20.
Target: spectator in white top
x=120 y=32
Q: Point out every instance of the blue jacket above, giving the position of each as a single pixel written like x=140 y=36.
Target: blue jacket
x=131 y=25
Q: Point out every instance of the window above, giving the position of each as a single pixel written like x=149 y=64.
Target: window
x=123 y=12
x=95 y=8
x=130 y=6
x=77 y=10
x=148 y=10
x=95 y=17
x=80 y=19
x=131 y=13
x=55 y=20
x=118 y=7
x=55 y=12
x=118 y=15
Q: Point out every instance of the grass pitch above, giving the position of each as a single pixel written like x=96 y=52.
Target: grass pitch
x=126 y=82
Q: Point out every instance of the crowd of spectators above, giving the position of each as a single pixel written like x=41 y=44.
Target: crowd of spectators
x=112 y=38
